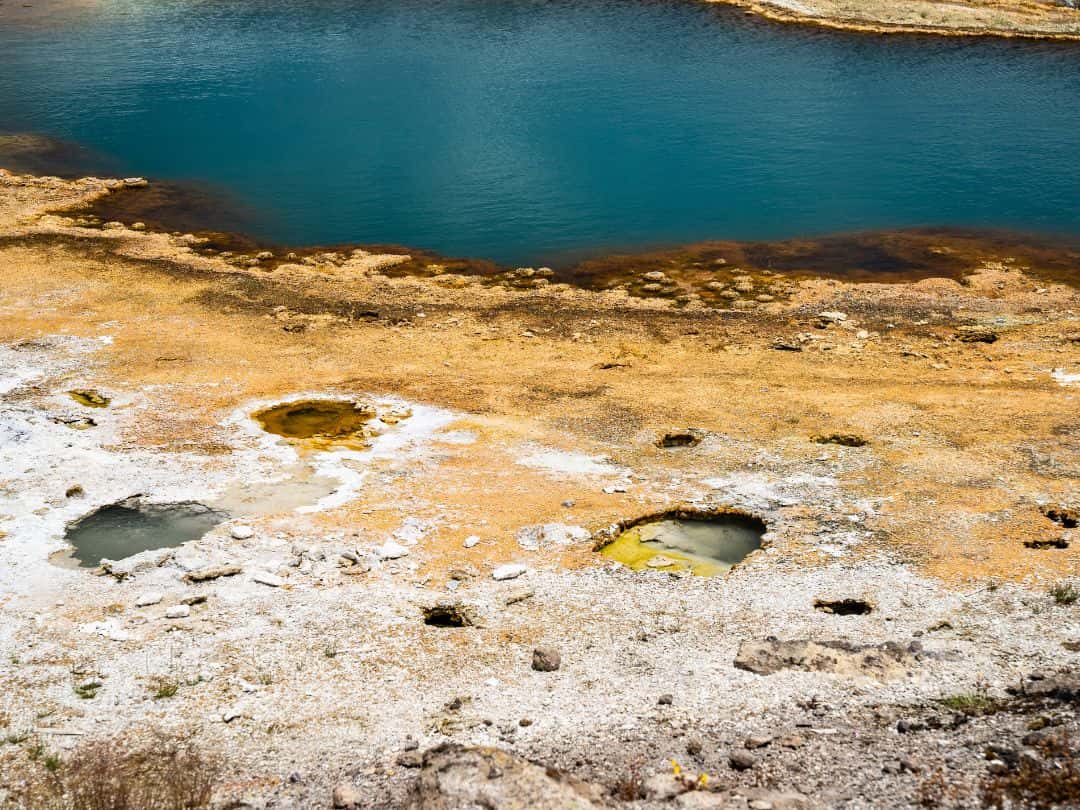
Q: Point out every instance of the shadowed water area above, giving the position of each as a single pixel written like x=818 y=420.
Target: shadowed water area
x=530 y=132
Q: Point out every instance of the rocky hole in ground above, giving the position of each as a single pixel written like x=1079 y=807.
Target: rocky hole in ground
x=1062 y=515
x=128 y=527
x=1042 y=545
x=843 y=607
x=447 y=616
x=842 y=439
x=679 y=438
x=701 y=542
x=322 y=422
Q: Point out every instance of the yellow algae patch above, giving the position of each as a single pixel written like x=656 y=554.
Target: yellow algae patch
x=90 y=398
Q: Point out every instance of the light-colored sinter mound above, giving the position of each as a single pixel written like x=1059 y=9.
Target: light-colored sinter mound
x=705 y=547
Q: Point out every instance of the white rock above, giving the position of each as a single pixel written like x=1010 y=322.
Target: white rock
x=411 y=530
x=241 y=532
x=177 y=612
x=149 y=598
x=550 y=534
x=266 y=578
x=392 y=551
x=835 y=317
x=231 y=714
x=471 y=541
x=509 y=571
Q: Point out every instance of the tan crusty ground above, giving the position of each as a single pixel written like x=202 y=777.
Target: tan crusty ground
x=980 y=431
x=967 y=440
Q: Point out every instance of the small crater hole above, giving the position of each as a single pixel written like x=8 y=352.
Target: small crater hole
x=1042 y=545
x=842 y=439
x=447 y=616
x=1062 y=515
x=843 y=607
x=679 y=438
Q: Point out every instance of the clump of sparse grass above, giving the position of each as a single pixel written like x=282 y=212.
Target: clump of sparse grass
x=1064 y=593
x=166 y=774
x=631 y=787
x=969 y=703
x=164 y=688
x=88 y=690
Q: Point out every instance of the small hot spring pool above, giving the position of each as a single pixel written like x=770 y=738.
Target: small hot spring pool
x=128 y=527
x=703 y=544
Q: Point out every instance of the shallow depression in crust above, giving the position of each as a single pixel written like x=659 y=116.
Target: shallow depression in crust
x=122 y=529
x=705 y=545
x=320 y=421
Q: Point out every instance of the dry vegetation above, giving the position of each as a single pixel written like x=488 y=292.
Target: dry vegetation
x=164 y=773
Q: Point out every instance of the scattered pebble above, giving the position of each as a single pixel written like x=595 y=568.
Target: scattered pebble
x=266 y=578
x=346 y=796
x=742 y=760
x=508 y=571
x=149 y=598
x=391 y=550
x=546 y=659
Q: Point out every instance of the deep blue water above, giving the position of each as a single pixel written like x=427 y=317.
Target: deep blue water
x=520 y=130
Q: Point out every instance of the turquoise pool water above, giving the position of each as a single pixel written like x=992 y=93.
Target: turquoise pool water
x=527 y=131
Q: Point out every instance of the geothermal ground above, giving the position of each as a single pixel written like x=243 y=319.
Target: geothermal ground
x=1039 y=19
x=361 y=628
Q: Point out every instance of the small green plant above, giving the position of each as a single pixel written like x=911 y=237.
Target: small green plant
x=265 y=678
x=330 y=650
x=969 y=703
x=35 y=751
x=51 y=762
x=1065 y=593
x=165 y=688
x=88 y=690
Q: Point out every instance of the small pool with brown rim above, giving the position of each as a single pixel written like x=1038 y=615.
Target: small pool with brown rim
x=320 y=423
